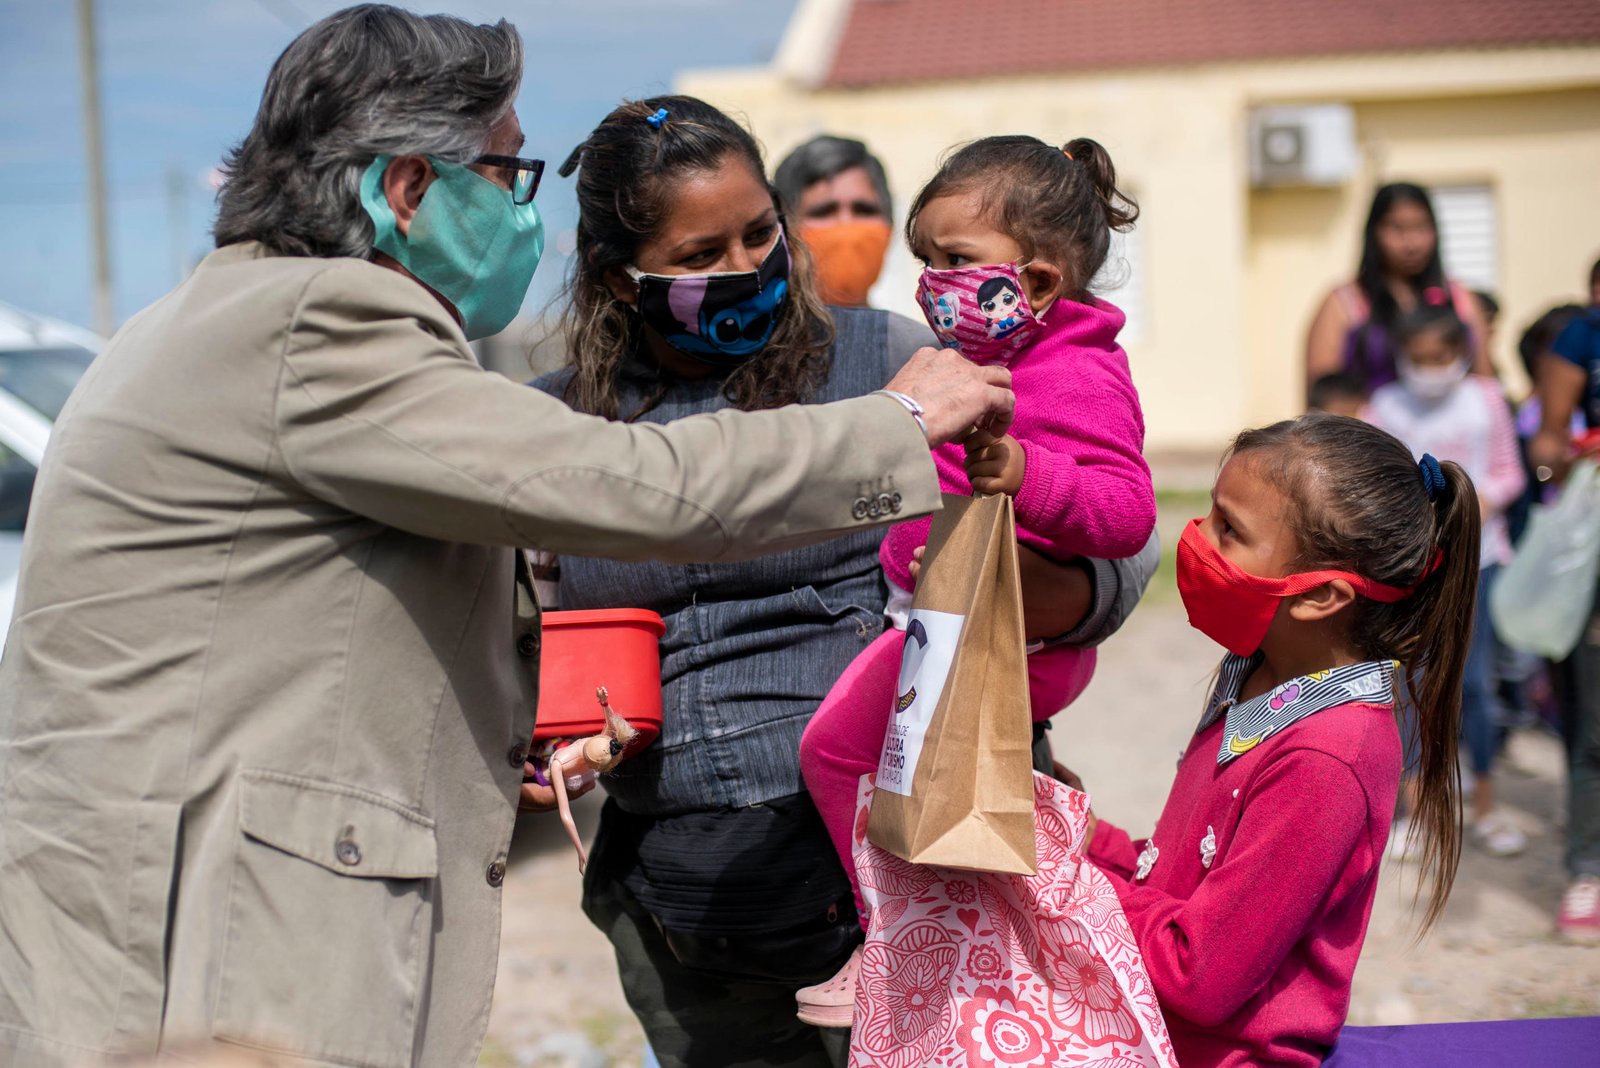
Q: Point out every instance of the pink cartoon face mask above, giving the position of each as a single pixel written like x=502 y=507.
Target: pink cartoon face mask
x=980 y=311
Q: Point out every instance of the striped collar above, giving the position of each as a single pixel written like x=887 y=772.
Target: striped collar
x=1248 y=723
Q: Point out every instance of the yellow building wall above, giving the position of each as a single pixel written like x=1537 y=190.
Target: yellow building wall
x=1231 y=276
x=1539 y=152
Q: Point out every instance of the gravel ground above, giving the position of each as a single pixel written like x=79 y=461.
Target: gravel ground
x=1492 y=956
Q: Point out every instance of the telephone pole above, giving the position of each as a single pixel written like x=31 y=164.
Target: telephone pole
x=95 y=167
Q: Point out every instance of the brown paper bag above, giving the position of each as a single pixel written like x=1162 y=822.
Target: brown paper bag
x=955 y=781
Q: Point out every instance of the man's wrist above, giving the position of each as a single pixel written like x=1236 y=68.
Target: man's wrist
x=910 y=405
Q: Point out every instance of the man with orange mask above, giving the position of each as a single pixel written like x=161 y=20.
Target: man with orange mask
x=837 y=197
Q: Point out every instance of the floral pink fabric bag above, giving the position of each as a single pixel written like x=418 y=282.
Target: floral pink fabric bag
x=966 y=968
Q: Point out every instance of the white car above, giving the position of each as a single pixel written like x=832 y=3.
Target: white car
x=40 y=361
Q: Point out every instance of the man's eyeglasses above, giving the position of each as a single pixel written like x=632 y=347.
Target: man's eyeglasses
x=524 y=174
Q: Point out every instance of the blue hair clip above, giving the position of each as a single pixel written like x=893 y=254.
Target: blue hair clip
x=1432 y=476
x=658 y=118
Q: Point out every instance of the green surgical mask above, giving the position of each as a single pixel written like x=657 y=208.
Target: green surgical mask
x=468 y=240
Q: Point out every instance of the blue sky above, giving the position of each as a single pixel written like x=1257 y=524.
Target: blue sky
x=179 y=84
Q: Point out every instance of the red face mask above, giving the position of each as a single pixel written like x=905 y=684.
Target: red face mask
x=1233 y=607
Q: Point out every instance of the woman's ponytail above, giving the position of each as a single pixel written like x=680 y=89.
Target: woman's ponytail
x=1442 y=622
x=1119 y=209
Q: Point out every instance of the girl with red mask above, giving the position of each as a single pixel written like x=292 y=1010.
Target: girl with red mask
x=1332 y=566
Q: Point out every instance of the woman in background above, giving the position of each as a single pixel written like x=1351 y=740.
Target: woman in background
x=1400 y=269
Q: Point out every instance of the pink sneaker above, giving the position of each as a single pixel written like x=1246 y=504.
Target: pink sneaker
x=831 y=1003
x=1579 y=920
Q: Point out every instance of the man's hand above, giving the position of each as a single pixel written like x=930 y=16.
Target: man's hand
x=994 y=465
x=956 y=394
x=536 y=798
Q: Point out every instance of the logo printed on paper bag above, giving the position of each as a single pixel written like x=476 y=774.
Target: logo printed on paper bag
x=931 y=640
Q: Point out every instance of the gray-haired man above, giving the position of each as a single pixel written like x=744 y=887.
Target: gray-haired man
x=265 y=702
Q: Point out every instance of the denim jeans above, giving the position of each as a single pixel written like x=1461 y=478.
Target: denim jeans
x=1480 y=704
x=723 y=1002
x=1581 y=720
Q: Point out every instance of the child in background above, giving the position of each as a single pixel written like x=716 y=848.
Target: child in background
x=1010 y=231
x=1338 y=393
x=1331 y=563
x=1437 y=407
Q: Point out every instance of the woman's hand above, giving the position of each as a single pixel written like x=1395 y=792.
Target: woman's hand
x=994 y=465
x=955 y=394
x=1062 y=773
x=536 y=798
x=1056 y=597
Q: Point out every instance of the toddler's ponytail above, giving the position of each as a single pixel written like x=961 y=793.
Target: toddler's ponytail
x=1119 y=209
x=1058 y=204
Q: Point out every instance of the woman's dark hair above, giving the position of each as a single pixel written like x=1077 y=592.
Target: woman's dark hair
x=1357 y=502
x=1431 y=319
x=1542 y=333
x=1060 y=204
x=1488 y=304
x=824 y=157
x=1372 y=276
x=364 y=82
x=630 y=166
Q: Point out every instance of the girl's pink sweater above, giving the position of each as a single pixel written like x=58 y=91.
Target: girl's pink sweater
x=1085 y=488
x=1252 y=916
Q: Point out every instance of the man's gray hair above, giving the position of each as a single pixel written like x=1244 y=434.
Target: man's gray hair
x=367 y=81
x=824 y=157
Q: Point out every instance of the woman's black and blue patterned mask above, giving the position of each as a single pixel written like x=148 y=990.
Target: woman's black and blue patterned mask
x=722 y=319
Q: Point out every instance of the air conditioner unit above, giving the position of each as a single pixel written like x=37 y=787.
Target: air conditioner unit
x=1312 y=144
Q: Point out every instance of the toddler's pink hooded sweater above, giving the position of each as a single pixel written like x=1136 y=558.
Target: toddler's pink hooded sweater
x=1085 y=488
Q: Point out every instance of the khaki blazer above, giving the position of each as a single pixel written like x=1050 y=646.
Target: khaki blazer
x=264 y=701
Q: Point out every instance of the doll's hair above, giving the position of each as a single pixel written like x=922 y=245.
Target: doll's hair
x=1357 y=501
x=1059 y=204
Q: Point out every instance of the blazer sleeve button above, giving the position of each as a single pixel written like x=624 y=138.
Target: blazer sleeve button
x=518 y=756
x=528 y=644
x=496 y=873
x=346 y=849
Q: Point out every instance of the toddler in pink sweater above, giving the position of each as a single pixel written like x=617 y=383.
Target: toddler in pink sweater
x=1011 y=230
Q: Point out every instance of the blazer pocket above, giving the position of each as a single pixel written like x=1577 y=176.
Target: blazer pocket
x=328 y=923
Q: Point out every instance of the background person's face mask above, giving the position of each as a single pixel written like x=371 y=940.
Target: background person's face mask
x=469 y=241
x=722 y=319
x=849 y=257
x=1432 y=384
x=980 y=310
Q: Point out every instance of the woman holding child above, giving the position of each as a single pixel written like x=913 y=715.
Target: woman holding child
x=712 y=874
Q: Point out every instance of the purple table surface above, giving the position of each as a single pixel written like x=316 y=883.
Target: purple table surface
x=1539 y=1043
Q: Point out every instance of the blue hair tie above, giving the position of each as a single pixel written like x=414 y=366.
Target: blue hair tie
x=658 y=118
x=1432 y=476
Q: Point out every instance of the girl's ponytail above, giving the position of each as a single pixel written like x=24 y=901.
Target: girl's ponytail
x=1119 y=209
x=1442 y=625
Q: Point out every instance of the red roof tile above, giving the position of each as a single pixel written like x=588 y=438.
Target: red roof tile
x=888 y=41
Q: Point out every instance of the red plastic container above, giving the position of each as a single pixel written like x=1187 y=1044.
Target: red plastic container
x=618 y=648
